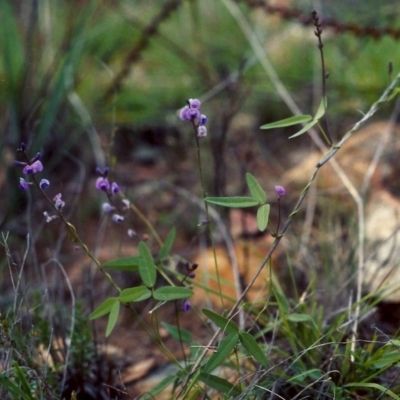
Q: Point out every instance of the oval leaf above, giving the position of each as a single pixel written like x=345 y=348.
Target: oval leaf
x=257 y=192
x=253 y=348
x=138 y=293
x=223 y=351
x=167 y=293
x=124 y=264
x=104 y=308
x=263 y=217
x=112 y=318
x=224 y=323
x=237 y=202
x=297 y=119
x=147 y=268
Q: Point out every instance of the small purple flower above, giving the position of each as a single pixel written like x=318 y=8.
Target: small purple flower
x=102 y=172
x=58 y=202
x=117 y=218
x=36 y=158
x=183 y=113
x=192 y=275
x=23 y=184
x=186 y=306
x=201 y=131
x=49 y=217
x=132 y=233
x=107 y=207
x=203 y=120
x=44 y=184
x=280 y=191
x=194 y=103
x=115 y=188
x=102 y=184
x=33 y=168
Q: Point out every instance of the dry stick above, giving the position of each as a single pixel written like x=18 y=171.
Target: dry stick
x=148 y=32
x=328 y=156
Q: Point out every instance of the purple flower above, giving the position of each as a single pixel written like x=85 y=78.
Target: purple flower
x=44 y=184
x=102 y=184
x=131 y=233
x=49 y=217
x=280 y=191
x=117 y=218
x=201 y=131
x=115 y=188
x=107 y=207
x=33 y=168
x=58 y=203
x=23 y=184
x=186 y=306
x=183 y=113
x=203 y=119
x=102 y=172
x=194 y=103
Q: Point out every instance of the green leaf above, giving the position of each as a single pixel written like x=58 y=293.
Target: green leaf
x=167 y=293
x=321 y=109
x=138 y=293
x=257 y=192
x=296 y=317
x=305 y=129
x=124 y=264
x=180 y=334
x=383 y=389
x=297 y=119
x=223 y=351
x=147 y=268
x=224 y=323
x=236 y=202
x=263 y=217
x=169 y=380
x=112 y=318
x=253 y=348
x=219 y=384
x=104 y=308
x=167 y=246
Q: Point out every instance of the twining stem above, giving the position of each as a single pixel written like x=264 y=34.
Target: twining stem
x=204 y=192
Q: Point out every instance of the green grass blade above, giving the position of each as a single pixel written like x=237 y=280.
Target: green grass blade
x=297 y=119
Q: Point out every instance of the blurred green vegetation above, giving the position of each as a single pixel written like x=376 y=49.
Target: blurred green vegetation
x=73 y=73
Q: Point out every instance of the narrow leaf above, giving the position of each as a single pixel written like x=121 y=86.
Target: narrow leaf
x=124 y=264
x=158 y=388
x=180 y=334
x=224 y=323
x=167 y=293
x=383 y=389
x=305 y=129
x=297 y=317
x=263 y=217
x=321 y=109
x=104 y=308
x=238 y=201
x=253 y=348
x=219 y=384
x=138 y=293
x=257 y=192
x=297 y=119
x=147 y=268
x=167 y=246
x=224 y=349
x=112 y=318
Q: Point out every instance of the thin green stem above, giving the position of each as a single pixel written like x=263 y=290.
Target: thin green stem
x=209 y=228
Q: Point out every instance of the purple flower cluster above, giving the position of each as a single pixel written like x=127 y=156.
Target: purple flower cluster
x=103 y=184
x=280 y=191
x=191 y=112
x=31 y=167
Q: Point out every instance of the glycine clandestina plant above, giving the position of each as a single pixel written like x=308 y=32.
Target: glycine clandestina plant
x=144 y=263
